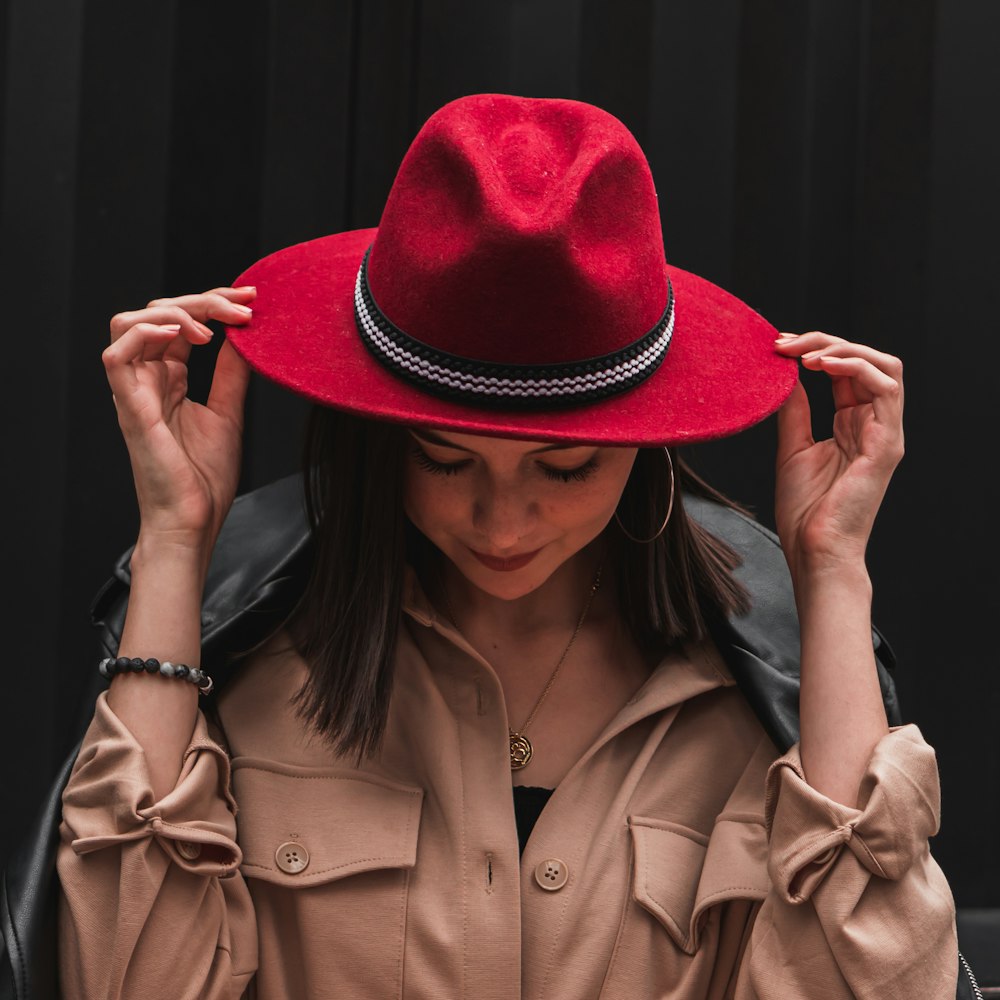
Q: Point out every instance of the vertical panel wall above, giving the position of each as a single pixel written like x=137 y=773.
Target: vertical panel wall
x=952 y=519
x=38 y=200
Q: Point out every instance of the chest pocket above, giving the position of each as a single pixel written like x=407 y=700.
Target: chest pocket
x=675 y=929
x=679 y=874
x=327 y=854
x=667 y=863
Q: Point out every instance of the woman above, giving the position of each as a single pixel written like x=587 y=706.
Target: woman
x=506 y=592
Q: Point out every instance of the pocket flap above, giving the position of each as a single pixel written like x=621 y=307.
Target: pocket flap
x=329 y=822
x=735 y=865
x=668 y=859
x=679 y=873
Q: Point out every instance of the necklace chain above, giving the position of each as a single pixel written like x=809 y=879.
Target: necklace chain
x=520 y=747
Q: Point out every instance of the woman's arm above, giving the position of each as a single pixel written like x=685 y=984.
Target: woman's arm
x=185 y=460
x=151 y=897
x=841 y=713
x=858 y=907
x=827 y=496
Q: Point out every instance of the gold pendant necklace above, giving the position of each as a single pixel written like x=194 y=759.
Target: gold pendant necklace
x=521 y=750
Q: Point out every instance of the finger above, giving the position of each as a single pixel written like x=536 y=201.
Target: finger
x=228 y=305
x=795 y=345
x=244 y=293
x=887 y=363
x=189 y=311
x=179 y=349
x=850 y=392
x=193 y=330
x=120 y=356
x=229 y=384
x=845 y=391
x=886 y=393
x=794 y=425
x=225 y=310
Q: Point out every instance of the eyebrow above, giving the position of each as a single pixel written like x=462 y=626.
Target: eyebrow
x=427 y=435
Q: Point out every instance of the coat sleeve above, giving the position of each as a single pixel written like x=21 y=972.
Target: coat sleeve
x=151 y=899
x=858 y=908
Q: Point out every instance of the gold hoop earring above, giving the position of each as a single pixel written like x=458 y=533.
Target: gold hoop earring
x=670 y=507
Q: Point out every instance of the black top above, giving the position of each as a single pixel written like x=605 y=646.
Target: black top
x=528 y=805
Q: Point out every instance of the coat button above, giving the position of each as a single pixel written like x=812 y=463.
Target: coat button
x=186 y=849
x=291 y=857
x=551 y=874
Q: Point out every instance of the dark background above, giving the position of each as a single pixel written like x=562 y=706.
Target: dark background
x=832 y=162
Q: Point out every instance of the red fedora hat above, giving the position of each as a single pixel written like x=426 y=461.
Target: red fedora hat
x=516 y=286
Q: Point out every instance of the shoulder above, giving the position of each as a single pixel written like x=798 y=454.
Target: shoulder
x=762 y=560
x=761 y=648
x=257 y=709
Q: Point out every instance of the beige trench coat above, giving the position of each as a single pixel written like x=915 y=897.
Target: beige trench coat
x=681 y=857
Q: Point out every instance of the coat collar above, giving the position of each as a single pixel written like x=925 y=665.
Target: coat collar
x=680 y=675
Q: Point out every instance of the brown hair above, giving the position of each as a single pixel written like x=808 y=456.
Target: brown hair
x=345 y=623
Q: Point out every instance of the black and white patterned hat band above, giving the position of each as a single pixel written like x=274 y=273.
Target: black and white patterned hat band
x=508 y=386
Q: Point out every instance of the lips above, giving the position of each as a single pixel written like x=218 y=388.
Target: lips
x=508 y=564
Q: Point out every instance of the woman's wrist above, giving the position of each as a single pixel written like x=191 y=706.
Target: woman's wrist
x=163 y=619
x=813 y=572
x=819 y=579
x=180 y=556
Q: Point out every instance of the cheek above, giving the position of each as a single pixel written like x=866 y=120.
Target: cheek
x=578 y=505
x=587 y=506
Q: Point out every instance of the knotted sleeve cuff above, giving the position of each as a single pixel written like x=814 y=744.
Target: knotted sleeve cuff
x=109 y=799
x=899 y=808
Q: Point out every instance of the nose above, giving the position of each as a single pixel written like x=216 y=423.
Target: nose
x=503 y=517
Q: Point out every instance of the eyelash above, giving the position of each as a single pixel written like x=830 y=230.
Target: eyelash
x=450 y=469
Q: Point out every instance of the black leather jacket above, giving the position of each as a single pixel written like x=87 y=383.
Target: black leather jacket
x=250 y=588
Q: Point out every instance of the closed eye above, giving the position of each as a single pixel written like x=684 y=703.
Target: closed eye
x=438 y=468
x=578 y=474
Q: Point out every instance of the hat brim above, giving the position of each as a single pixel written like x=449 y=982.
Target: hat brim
x=720 y=375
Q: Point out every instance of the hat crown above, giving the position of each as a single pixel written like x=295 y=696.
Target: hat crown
x=521 y=231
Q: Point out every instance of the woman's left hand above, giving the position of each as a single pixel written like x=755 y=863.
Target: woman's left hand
x=828 y=492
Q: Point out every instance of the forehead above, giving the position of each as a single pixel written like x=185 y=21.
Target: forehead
x=483 y=442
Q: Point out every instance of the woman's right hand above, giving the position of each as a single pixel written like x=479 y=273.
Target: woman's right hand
x=185 y=456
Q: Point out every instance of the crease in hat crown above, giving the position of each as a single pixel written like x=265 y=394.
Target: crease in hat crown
x=521 y=231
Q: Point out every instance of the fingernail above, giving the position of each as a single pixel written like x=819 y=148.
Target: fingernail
x=810 y=355
x=787 y=336
x=170 y=326
x=242 y=308
x=247 y=288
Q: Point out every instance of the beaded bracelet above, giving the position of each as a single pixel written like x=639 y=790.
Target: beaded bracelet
x=111 y=665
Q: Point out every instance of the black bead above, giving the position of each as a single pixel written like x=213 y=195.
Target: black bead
x=137 y=666
x=122 y=664
x=152 y=666
x=181 y=671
